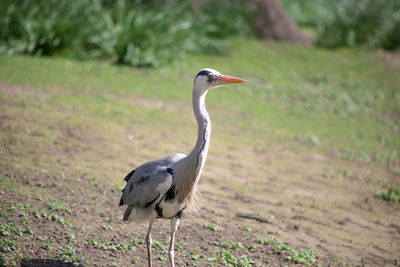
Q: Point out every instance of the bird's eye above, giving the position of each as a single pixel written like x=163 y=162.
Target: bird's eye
x=209 y=78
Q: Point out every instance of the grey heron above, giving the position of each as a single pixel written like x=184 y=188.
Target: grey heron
x=163 y=188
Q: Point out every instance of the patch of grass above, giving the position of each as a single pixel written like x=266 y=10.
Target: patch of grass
x=158 y=245
x=52 y=217
x=98 y=244
x=179 y=246
x=392 y=195
x=135 y=241
x=68 y=254
x=107 y=227
x=333 y=91
x=6 y=181
x=304 y=257
x=59 y=206
x=60 y=220
x=360 y=155
x=48 y=246
x=339 y=173
x=211 y=227
x=71 y=236
x=8 y=245
x=232 y=244
x=3 y=213
x=247 y=228
x=110 y=219
x=11 y=229
x=29 y=230
x=110 y=246
x=40 y=214
x=7 y=261
x=193 y=255
x=309 y=138
x=225 y=257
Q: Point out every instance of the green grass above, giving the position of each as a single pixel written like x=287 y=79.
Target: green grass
x=211 y=227
x=225 y=258
x=304 y=257
x=392 y=195
x=330 y=99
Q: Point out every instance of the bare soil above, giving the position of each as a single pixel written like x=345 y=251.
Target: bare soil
x=52 y=152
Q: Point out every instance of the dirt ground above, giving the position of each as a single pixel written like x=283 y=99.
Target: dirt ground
x=47 y=157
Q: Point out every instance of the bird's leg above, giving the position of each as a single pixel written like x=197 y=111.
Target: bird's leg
x=174 y=227
x=148 y=242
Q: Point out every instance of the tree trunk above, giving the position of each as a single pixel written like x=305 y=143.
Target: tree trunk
x=272 y=22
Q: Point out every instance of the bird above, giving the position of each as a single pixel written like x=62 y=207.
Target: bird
x=163 y=188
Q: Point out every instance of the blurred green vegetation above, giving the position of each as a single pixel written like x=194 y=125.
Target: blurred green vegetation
x=133 y=32
x=353 y=23
x=152 y=33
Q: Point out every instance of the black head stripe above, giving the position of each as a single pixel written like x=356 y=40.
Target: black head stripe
x=204 y=73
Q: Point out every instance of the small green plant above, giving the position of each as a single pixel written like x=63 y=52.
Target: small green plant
x=211 y=227
x=246 y=228
x=118 y=246
x=135 y=259
x=179 y=246
x=160 y=257
x=225 y=257
x=232 y=244
x=59 y=206
x=135 y=241
x=60 y=220
x=107 y=227
x=98 y=244
x=42 y=238
x=40 y=213
x=68 y=254
x=392 y=195
x=157 y=245
x=48 y=246
x=29 y=230
x=3 y=213
x=24 y=208
x=71 y=236
x=193 y=256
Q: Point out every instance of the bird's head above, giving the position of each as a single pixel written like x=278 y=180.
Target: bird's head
x=209 y=78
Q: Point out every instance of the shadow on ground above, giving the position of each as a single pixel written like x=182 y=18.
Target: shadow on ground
x=46 y=263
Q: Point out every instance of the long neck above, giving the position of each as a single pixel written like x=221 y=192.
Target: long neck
x=192 y=165
x=199 y=153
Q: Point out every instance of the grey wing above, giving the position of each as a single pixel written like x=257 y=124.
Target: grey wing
x=149 y=182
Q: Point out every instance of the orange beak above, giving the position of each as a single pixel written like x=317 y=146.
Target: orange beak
x=230 y=79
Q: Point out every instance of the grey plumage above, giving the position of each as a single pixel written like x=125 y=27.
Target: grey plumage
x=163 y=188
x=149 y=182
